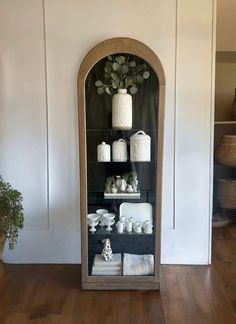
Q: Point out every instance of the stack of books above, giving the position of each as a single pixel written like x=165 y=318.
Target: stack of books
x=107 y=268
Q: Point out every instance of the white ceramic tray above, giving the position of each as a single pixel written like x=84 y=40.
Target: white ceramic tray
x=122 y=195
x=139 y=211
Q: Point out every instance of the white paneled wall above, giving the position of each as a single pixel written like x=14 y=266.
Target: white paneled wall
x=193 y=150
x=42 y=46
x=23 y=128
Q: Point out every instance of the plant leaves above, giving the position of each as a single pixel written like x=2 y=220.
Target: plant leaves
x=110 y=58
x=132 y=63
x=139 y=79
x=108 y=90
x=114 y=76
x=124 y=69
x=120 y=59
x=130 y=82
x=115 y=66
x=108 y=67
x=100 y=91
x=98 y=83
x=115 y=84
x=146 y=74
x=133 y=89
x=107 y=76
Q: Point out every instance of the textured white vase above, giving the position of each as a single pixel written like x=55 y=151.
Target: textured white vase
x=140 y=147
x=122 y=110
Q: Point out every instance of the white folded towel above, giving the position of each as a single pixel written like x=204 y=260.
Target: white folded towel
x=138 y=265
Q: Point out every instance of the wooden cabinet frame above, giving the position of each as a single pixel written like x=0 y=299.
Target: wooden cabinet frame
x=109 y=47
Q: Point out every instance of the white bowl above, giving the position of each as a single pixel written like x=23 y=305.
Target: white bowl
x=110 y=216
x=101 y=211
x=109 y=222
x=93 y=222
x=92 y=216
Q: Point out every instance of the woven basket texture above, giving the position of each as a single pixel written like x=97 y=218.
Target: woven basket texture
x=227 y=193
x=225 y=153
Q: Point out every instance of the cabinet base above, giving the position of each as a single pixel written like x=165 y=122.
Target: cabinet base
x=138 y=285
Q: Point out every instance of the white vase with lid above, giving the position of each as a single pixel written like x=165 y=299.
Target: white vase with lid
x=140 y=147
x=122 y=110
x=119 y=151
x=103 y=152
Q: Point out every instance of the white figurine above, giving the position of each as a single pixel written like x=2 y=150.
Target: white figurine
x=107 y=251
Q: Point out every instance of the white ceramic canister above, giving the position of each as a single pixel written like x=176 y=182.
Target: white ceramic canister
x=140 y=147
x=120 y=227
x=119 y=151
x=103 y=152
x=129 y=226
x=122 y=110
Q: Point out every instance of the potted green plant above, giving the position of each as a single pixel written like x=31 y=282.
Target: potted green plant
x=11 y=215
x=122 y=74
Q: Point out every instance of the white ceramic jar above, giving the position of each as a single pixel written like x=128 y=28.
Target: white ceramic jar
x=119 y=151
x=140 y=147
x=122 y=110
x=103 y=152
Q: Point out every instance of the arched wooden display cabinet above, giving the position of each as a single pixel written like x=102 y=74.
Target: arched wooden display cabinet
x=94 y=114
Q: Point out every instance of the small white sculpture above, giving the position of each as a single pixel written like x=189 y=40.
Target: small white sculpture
x=107 y=251
x=123 y=185
x=114 y=189
x=135 y=184
x=130 y=188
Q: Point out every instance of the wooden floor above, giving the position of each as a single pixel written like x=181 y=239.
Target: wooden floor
x=189 y=294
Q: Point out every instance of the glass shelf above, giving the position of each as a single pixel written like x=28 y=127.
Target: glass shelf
x=102 y=231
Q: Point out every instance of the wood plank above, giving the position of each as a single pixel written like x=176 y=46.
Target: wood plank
x=189 y=294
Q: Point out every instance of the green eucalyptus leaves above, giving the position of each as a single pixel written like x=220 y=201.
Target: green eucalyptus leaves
x=122 y=72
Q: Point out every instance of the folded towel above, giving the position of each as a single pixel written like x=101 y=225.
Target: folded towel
x=138 y=265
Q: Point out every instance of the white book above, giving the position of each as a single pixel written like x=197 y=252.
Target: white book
x=102 y=268
x=106 y=273
x=99 y=261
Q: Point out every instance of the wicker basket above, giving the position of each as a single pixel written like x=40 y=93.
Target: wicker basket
x=227 y=193
x=225 y=153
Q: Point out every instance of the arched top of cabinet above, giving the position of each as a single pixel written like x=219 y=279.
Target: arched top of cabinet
x=121 y=45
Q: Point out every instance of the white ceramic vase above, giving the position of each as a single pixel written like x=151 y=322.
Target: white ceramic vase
x=122 y=110
x=103 y=152
x=140 y=147
x=119 y=151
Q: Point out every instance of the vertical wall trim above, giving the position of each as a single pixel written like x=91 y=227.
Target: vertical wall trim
x=212 y=118
x=175 y=117
x=46 y=108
